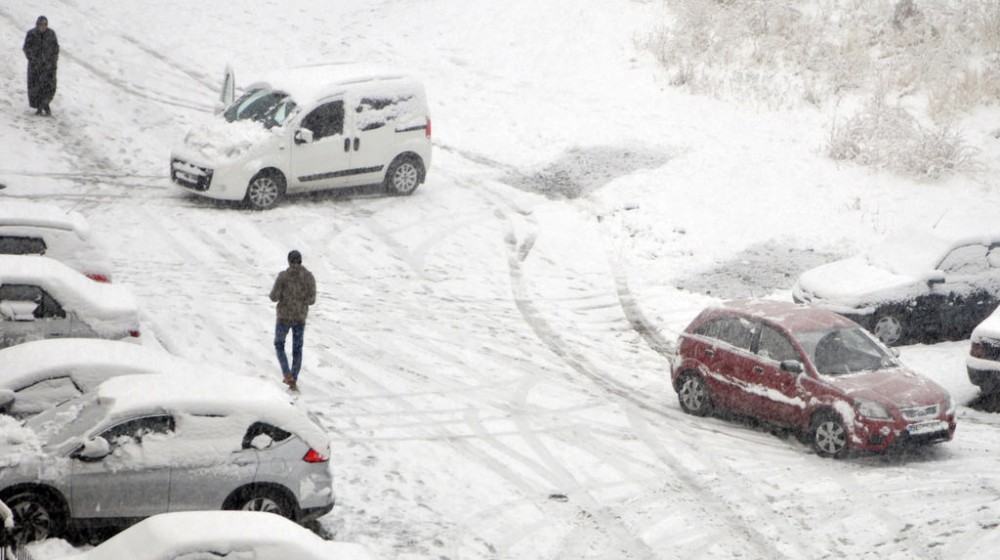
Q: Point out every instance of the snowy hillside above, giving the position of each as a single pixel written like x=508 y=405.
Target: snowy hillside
x=488 y=355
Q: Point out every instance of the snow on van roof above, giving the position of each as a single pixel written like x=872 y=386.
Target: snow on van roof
x=171 y=535
x=106 y=308
x=29 y=362
x=210 y=392
x=308 y=84
x=35 y=214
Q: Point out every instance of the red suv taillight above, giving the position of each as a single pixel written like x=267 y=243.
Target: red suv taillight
x=314 y=456
x=99 y=278
x=133 y=334
x=977 y=350
x=427 y=129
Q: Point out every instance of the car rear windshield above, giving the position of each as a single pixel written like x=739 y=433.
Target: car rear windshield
x=270 y=108
x=16 y=245
x=845 y=350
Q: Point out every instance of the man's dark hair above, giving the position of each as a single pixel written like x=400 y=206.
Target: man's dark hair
x=294 y=257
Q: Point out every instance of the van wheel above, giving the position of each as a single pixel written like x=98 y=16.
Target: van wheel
x=265 y=190
x=404 y=176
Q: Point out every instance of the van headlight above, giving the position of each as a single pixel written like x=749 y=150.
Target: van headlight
x=871 y=409
x=237 y=150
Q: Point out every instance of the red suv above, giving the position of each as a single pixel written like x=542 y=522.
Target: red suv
x=811 y=370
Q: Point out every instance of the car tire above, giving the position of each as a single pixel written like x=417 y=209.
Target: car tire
x=265 y=190
x=693 y=394
x=828 y=435
x=404 y=176
x=262 y=498
x=889 y=328
x=37 y=516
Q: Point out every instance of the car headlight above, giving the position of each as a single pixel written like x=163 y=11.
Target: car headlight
x=872 y=409
x=237 y=150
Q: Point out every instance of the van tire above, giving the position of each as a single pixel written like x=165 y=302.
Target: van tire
x=404 y=176
x=265 y=190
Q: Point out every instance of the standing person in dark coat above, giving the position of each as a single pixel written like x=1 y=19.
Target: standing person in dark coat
x=42 y=49
x=295 y=291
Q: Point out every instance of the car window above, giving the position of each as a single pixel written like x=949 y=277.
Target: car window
x=135 y=429
x=16 y=245
x=967 y=259
x=375 y=112
x=325 y=120
x=260 y=105
x=845 y=350
x=731 y=330
x=776 y=346
x=45 y=306
x=44 y=394
x=262 y=428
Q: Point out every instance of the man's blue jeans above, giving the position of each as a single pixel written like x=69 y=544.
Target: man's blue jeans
x=280 y=334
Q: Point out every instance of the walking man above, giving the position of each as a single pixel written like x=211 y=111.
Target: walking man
x=42 y=49
x=295 y=291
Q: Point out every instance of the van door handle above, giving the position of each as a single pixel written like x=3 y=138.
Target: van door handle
x=357 y=143
x=347 y=144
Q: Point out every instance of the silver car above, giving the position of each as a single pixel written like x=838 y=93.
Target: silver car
x=155 y=443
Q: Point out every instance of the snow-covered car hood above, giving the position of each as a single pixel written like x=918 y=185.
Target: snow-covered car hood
x=850 y=283
x=216 y=140
x=898 y=386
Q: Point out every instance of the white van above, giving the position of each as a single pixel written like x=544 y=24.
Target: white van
x=306 y=129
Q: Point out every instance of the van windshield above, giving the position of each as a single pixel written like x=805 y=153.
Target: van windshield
x=270 y=108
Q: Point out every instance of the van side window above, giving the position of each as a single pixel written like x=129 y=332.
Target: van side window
x=325 y=120
x=375 y=112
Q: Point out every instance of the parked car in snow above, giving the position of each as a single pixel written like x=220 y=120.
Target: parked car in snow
x=43 y=298
x=810 y=370
x=42 y=229
x=912 y=288
x=43 y=373
x=161 y=442
x=983 y=361
x=310 y=128
x=221 y=534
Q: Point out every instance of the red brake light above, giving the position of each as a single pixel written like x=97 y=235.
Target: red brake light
x=99 y=278
x=134 y=334
x=427 y=129
x=314 y=456
x=977 y=350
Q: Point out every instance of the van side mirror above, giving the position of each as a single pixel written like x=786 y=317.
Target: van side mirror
x=303 y=136
x=792 y=366
x=94 y=449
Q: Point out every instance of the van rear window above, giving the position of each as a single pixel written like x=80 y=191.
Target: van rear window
x=16 y=245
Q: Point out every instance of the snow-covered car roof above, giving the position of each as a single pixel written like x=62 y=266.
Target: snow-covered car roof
x=67 y=235
x=209 y=393
x=310 y=84
x=793 y=316
x=89 y=361
x=230 y=534
x=106 y=308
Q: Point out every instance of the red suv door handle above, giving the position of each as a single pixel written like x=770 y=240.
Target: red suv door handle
x=709 y=352
x=758 y=369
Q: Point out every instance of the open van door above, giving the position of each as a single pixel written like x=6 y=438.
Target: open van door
x=228 y=93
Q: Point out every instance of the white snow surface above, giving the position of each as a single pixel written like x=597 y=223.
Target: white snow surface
x=490 y=363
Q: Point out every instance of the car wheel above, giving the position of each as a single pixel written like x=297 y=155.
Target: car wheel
x=829 y=436
x=693 y=394
x=889 y=329
x=265 y=190
x=267 y=500
x=403 y=176
x=37 y=516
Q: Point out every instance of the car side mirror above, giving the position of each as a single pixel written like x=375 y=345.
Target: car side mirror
x=303 y=136
x=94 y=449
x=792 y=366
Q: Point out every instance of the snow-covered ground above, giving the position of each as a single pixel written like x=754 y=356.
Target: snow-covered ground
x=488 y=355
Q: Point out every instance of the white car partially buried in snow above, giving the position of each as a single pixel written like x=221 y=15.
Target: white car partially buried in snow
x=164 y=442
x=221 y=534
x=983 y=361
x=43 y=298
x=915 y=287
x=43 y=373
x=32 y=228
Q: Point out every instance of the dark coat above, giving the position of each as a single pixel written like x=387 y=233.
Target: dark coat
x=295 y=291
x=42 y=50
